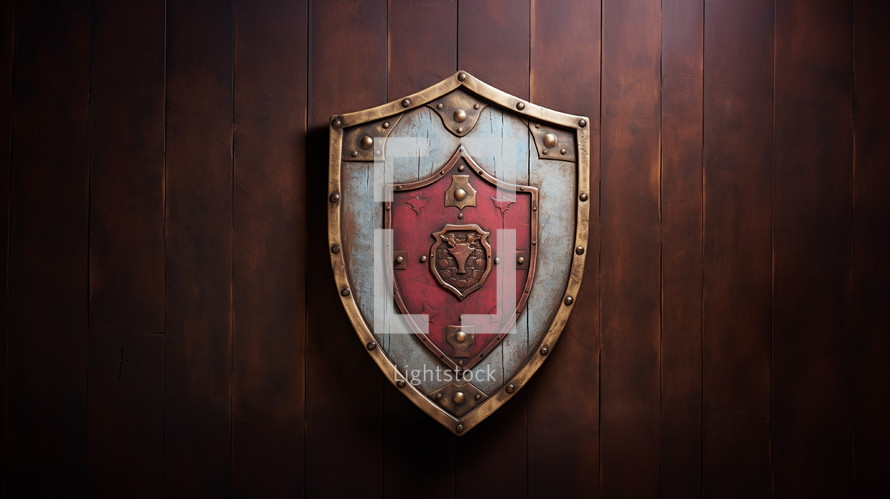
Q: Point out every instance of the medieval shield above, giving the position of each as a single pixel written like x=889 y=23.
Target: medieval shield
x=458 y=223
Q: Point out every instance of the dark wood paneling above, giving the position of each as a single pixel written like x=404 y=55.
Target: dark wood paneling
x=344 y=389
x=418 y=452
x=811 y=444
x=870 y=250
x=126 y=371
x=7 y=50
x=197 y=440
x=738 y=78
x=681 y=246
x=48 y=245
x=563 y=413
x=492 y=44
x=269 y=248
x=630 y=204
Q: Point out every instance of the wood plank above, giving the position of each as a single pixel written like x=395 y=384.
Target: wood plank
x=48 y=253
x=422 y=51
x=126 y=371
x=269 y=249
x=7 y=51
x=493 y=42
x=736 y=311
x=871 y=245
x=344 y=406
x=811 y=437
x=630 y=375
x=563 y=412
x=197 y=450
x=681 y=233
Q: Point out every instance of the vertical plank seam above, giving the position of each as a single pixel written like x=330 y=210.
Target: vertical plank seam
x=852 y=275
x=702 y=227
x=6 y=299
x=661 y=256
x=86 y=381
x=599 y=265
x=166 y=257
x=305 y=262
x=772 y=268
x=232 y=262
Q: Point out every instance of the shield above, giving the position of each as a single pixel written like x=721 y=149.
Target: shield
x=458 y=224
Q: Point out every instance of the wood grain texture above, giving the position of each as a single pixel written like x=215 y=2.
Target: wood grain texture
x=48 y=253
x=738 y=79
x=681 y=240
x=422 y=51
x=269 y=252
x=811 y=437
x=630 y=204
x=870 y=248
x=126 y=371
x=563 y=413
x=493 y=41
x=197 y=440
x=344 y=401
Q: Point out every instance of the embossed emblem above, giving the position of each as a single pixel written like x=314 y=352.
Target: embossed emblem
x=462 y=258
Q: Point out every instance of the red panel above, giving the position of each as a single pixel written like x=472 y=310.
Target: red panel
x=418 y=217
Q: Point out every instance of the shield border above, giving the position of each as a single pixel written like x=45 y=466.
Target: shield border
x=527 y=110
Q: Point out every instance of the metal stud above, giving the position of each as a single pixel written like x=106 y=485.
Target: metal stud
x=583 y=196
x=478 y=396
x=520 y=260
x=335 y=197
x=406 y=102
x=497 y=260
x=562 y=151
x=545 y=151
x=569 y=300
x=460 y=168
x=439 y=105
x=371 y=345
x=460 y=194
x=335 y=249
x=545 y=350
x=345 y=292
x=549 y=140
x=511 y=388
x=400 y=383
x=367 y=142
x=579 y=250
x=460 y=116
x=400 y=259
x=459 y=428
x=458 y=398
x=520 y=106
x=438 y=396
x=460 y=337
x=422 y=258
x=354 y=154
x=476 y=106
x=461 y=76
x=582 y=123
x=385 y=124
x=337 y=122
x=460 y=215
x=460 y=129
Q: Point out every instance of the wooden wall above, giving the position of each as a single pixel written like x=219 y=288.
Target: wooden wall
x=170 y=324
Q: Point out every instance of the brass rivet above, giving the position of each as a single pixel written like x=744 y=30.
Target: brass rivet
x=388 y=208
x=569 y=300
x=345 y=292
x=511 y=388
x=460 y=129
x=478 y=396
x=534 y=243
x=460 y=215
x=337 y=122
x=460 y=168
x=582 y=123
x=476 y=106
x=335 y=197
x=400 y=259
x=461 y=76
x=537 y=125
x=459 y=428
x=550 y=140
x=460 y=194
x=406 y=102
x=520 y=106
x=545 y=151
x=354 y=154
x=371 y=345
x=579 y=250
x=544 y=350
x=367 y=142
x=458 y=398
x=377 y=153
x=400 y=383
x=439 y=106
x=460 y=116
x=522 y=188
x=335 y=249
x=460 y=337
x=385 y=124
x=562 y=151
x=497 y=260
x=520 y=260
x=422 y=258
x=438 y=396
x=583 y=196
